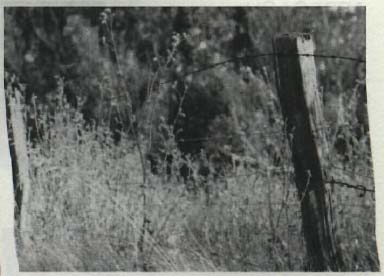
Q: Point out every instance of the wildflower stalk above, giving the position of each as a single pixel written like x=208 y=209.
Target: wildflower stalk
x=106 y=27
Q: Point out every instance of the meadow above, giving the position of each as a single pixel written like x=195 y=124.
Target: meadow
x=95 y=203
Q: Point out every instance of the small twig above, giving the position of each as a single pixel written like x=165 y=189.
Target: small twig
x=306 y=186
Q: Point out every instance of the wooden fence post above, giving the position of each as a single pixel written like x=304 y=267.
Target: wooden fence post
x=302 y=111
x=20 y=161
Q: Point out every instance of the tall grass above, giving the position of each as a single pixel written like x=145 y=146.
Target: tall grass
x=87 y=208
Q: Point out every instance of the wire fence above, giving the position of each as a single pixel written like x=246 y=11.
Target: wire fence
x=332 y=180
x=268 y=131
x=321 y=128
x=223 y=137
x=246 y=57
x=276 y=171
x=253 y=133
x=273 y=54
x=211 y=66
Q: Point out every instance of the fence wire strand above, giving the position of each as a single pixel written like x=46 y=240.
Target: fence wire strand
x=276 y=170
x=253 y=133
x=245 y=57
x=221 y=63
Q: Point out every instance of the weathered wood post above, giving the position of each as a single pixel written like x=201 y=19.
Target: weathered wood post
x=302 y=111
x=20 y=161
x=9 y=264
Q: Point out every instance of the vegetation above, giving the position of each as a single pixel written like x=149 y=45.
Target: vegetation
x=143 y=189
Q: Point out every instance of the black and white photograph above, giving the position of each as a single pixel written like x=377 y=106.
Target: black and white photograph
x=189 y=138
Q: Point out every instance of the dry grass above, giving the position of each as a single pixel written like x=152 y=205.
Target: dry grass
x=87 y=211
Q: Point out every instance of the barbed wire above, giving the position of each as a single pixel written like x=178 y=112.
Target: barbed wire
x=348 y=185
x=231 y=60
x=221 y=63
x=330 y=181
x=272 y=172
x=223 y=137
x=219 y=137
x=123 y=243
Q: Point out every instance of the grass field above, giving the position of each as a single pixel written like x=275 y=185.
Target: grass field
x=95 y=204
x=88 y=210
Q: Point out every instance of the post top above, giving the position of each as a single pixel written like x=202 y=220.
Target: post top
x=294 y=35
